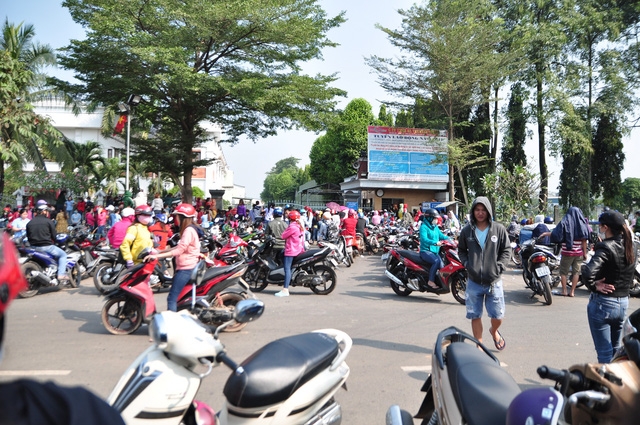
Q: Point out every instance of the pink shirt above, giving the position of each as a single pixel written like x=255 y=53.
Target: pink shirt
x=187 y=252
x=293 y=240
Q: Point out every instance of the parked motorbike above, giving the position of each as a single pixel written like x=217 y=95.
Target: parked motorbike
x=308 y=269
x=467 y=385
x=536 y=271
x=204 y=295
x=407 y=272
x=161 y=384
x=41 y=269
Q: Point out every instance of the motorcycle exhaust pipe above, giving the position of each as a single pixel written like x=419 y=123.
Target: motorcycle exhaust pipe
x=41 y=278
x=394 y=278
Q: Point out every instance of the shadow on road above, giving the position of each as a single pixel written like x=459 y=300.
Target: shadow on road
x=391 y=346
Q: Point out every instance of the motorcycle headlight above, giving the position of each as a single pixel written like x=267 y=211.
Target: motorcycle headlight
x=158 y=331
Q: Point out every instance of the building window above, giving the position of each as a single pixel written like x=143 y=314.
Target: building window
x=197 y=155
x=388 y=203
x=109 y=153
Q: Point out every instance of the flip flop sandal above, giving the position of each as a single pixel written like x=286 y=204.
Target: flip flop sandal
x=501 y=340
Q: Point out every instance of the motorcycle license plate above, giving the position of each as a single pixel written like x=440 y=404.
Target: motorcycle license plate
x=542 y=271
x=384 y=256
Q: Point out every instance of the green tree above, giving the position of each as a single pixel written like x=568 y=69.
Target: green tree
x=283 y=180
x=233 y=62
x=607 y=143
x=107 y=175
x=85 y=157
x=515 y=136
x=334 y=153
x=629 y=198
x=385 y=118
x=451 y=54
x=24 y=135
x=512 y=190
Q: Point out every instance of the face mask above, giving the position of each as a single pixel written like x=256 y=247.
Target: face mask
x=144 y=219
x=434 y=221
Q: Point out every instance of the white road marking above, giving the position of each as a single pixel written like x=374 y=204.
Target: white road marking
x=34 y=372
x=416 y=369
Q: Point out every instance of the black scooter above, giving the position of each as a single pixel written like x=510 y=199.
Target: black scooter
x=538 y=261
x=308 y=269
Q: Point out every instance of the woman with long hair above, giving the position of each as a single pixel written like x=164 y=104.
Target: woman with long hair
x=609 y=276
x=187 y=252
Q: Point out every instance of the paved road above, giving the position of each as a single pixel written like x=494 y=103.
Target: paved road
x=59 y=336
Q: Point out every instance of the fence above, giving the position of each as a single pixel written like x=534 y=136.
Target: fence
x=314 y=205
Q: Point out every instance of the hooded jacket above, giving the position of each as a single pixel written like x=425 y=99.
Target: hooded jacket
x=484 y=265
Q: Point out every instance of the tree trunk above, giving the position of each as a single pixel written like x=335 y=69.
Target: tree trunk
x=494 y=150
x=544 y=174
x=452 y=189
x=2 y=178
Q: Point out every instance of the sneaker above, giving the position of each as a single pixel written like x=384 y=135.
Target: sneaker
x=283 y=293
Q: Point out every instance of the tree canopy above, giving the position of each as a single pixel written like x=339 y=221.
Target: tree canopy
x=233 y=62
x=283 y=180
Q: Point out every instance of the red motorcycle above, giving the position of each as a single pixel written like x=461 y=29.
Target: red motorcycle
x=407 y=272
x=208 y=295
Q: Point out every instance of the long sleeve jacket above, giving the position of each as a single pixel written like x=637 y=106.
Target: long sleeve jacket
x=609 y=262
x=484 y=266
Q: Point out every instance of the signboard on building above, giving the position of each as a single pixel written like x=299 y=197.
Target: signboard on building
x=407 y=154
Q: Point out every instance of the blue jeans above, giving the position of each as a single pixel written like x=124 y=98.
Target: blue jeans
x=606 y=316
x=491 y=295
x=287 y=270
x=435 y=261
x=180 y=279
x=58 y=254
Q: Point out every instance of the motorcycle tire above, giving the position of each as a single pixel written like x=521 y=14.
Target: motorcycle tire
x=545 y=282
x=403 y=291
x=104 y=279
x=330 y=280
x=256 y=279
x=228 y=300
x=27 y=268
x=122 y=315
x=374 y=245
x=525 y=277
x=74 y=276
x=348 y=260
x=459 y=288
x=634 y=291
x=516 y=260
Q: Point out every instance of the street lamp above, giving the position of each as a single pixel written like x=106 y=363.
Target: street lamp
x=127 y=108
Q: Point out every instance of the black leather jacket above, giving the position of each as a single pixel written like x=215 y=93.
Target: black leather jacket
x=609 y=262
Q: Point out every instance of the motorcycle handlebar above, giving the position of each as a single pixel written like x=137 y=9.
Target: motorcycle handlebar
x=564 y=377
x=223 y=358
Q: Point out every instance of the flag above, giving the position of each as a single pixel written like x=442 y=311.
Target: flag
x=120 y=124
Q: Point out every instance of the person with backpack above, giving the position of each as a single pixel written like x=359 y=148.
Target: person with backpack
x=186 y=253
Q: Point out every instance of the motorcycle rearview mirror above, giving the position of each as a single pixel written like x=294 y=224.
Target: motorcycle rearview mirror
x=245 y=311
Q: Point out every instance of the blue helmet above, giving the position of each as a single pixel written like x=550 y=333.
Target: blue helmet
x=535 y=406
x=161 y=217
x=277 y=212
x=548 y=220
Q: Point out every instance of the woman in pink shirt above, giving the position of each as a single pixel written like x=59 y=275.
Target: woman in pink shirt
x=187 y=252
x=293 y=245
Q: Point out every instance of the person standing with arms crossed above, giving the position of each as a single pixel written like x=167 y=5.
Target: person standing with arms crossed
x=484 y=249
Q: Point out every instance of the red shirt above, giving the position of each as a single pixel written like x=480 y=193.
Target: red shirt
x=162 y=233
x=349 y=226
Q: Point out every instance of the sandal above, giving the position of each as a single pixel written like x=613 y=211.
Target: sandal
x=501 y=343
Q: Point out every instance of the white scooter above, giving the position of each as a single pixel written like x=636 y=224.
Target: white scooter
x=289 y=381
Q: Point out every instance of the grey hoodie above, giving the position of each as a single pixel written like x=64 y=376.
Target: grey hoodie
x=484 y=266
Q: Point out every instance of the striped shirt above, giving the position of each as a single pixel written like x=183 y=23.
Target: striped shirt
x=575 y=251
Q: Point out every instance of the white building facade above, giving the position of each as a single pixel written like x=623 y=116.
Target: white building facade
x=86 y=127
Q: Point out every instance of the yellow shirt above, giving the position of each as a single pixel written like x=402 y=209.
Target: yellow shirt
x=138 y=237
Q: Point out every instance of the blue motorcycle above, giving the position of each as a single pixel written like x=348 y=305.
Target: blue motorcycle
x=41 y=269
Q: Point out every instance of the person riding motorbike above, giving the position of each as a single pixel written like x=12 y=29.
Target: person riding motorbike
x=29 y=402
x=117 y=233
x=41 y=233
x=138 y=236
x=430 y=241
x=275 y=228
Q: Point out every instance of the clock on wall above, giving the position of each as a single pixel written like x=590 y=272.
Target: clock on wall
x=379 y=192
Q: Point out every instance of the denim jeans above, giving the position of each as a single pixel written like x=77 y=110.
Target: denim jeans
x=606 y=316
x=435 y=261
x=287 y=270
x=58 y=254
x=180 y=279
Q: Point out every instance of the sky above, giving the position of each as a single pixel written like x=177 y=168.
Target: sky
x=358 y=39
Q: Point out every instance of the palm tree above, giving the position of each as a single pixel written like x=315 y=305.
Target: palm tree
x=108 y=175
x=25 y=136
x=84 y=157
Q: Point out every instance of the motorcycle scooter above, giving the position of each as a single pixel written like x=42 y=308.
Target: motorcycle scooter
x=308 y=269
x=160 y=385
x=407 y=272
x=467 y=385
x=537 y=261
x=132 y=303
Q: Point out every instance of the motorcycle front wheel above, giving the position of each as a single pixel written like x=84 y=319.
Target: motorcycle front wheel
x=27 y=268
x=256 y=278
x=545 y=282
x=459 y=288
x=122 y=315
x=328 y=275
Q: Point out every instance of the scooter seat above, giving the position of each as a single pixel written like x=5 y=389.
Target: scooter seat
x=483 y=390
x=415 y=257
x=212 y=272
x=278 y=369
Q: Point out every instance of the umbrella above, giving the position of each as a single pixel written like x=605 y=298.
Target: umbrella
x=342 y=208
x=333 y=206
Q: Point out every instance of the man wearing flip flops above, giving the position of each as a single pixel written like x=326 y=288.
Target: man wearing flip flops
x=484 y=249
